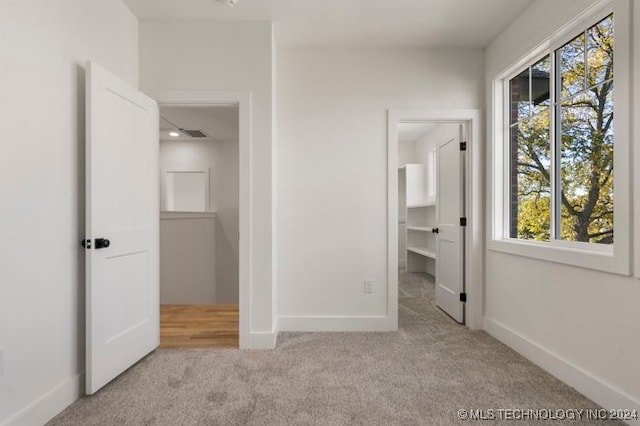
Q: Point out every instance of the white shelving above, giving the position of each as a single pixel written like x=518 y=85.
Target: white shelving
x=421 y=241
x=417 y=206
x=420 y=228
x=415 y=185
x=422 y=252
x=420 y=219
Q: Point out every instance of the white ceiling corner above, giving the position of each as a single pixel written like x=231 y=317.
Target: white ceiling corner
x=355 y=23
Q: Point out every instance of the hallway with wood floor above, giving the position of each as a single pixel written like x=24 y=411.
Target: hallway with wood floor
x=199 y=326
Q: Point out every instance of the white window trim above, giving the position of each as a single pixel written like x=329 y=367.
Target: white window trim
x=610 y=258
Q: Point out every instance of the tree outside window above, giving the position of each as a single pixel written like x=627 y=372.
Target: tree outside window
x=583 y=167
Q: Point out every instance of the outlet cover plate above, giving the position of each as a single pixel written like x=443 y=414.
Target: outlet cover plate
x=368 y=286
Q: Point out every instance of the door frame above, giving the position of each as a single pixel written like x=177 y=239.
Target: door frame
x=203 y=98
x=474 y=247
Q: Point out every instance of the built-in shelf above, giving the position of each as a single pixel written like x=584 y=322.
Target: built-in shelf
x=419 y=209
x=422 y=252
x=417 y=206
x=419 y=228
x=186 y=215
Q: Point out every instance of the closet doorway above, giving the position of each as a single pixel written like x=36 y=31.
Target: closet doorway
x=199 y=226
x=434 y=214
x=431 y=166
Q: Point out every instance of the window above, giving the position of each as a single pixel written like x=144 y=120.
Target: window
x=561 y=166
x=585 y=136
x=561 y=179
x=530 y=153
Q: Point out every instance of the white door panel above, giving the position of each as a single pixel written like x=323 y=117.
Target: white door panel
x=122 y=206
x=450 y=243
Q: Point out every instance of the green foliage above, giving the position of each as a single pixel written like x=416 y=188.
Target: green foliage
x=534 y=219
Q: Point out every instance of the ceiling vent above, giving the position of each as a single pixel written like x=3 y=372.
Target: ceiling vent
x=194 y=133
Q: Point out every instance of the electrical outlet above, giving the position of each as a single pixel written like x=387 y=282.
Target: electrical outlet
x=368 y=286
x=1 y=361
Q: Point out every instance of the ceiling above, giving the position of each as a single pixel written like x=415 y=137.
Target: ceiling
x=355 y=23
x=220 y=123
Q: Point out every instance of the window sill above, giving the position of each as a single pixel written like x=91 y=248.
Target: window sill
x=605 y=261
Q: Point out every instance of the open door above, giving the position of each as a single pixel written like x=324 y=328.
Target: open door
x=122 y=290
x=450 y=234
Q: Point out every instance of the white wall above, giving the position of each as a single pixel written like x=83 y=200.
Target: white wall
x=402 y=217
x=221 y=158
x=274 y=182
x=406 y=152
x=43 y=46
x=580 y=324
x=204 y=55
x=187 y=258
x=332 y=201
x=225 y=187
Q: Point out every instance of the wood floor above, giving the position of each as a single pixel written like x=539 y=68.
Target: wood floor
x=199 y=326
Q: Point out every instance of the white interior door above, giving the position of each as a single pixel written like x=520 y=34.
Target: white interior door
x=450 y=236
x=122 y=214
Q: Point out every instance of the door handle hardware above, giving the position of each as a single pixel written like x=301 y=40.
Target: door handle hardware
x=86 y=244
x=102 y=243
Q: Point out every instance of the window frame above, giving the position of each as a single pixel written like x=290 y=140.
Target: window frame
x=614 y=257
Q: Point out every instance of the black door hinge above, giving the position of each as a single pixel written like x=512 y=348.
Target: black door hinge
x=86 y=243
x=463 y=297
x=463 y=221
x=463 y=146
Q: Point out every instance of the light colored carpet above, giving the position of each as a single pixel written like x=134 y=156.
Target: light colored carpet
x=420 y=375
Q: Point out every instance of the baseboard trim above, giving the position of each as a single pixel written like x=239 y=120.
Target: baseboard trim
x=594 y=388
x=263 y=340
x=48 y=405
x=336 y=323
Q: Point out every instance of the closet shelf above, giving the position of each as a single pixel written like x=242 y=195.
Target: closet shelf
x=417 y=206
x=422 y=252
x=419 y=228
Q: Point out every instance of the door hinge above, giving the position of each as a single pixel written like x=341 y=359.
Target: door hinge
x=86 y=243
x=463 y=297
x=463 y=221
x=463 y=146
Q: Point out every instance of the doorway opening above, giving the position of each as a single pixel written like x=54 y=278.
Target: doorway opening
x=431 y=166
x=434 y=227
x=199 y=225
